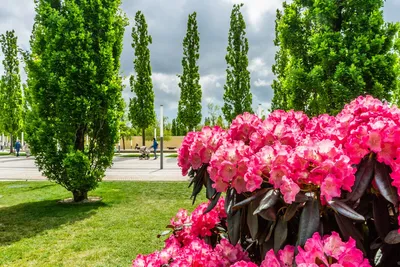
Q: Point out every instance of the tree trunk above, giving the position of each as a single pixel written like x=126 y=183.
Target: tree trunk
x=79 y=196
x=80 y=139
x=11 y=144
x=143 y=137
x=123 y=142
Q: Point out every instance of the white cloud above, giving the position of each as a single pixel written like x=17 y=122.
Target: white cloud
x=165 y=82
x=255 y=9
x=259 y=83
x=259 y=67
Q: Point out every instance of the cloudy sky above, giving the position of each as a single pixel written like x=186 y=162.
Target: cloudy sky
x=167 y=25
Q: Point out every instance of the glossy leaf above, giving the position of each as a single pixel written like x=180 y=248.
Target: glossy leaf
x=271 y=230
x=248 y=200
x=381 y=216
x=301 y=197
x=280 y=234
x=252 y=220
x=364 y=175
x=210 y=191
x=383 y=182
x=229 y=198
x=233 y=217
x=291 y=211
x=269 y=200
x=197 y=182
x=268 y=214
x=393 y=237
x=348 y=229
x=213 y=203
x=309 y=221
x=345 y=210
x=233 y=221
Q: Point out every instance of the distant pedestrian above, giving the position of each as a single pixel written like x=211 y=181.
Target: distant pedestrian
x=17 y=147
x=154 y=146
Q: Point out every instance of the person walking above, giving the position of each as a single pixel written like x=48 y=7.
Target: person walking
x=17 y=147
x=154 y=146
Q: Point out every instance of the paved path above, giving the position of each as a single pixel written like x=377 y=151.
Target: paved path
x=132 y=169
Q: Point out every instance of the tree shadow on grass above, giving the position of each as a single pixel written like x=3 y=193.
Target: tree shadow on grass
x=29 y=219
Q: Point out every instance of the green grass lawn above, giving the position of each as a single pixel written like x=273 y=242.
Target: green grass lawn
x=35 y=230
x=6 y=153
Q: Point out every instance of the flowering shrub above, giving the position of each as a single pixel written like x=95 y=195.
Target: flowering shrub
x=290 y=179
x=196 y=241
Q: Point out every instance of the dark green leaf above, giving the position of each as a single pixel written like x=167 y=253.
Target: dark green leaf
x=393 y=237
x=280 y=234
x=252 y=220
x=309 y=221
x=269 y=200
x=229 y=198
x=291 y=211
x=234 y=227
x=166 y=232
x=345 y=210
x=263 y=229
x=271 y=230
x=301 y=197
x=210 y=191
x=381 y=216
x=198 y=181
x=269 y=214
x=245 y=202
x=383 y=182
x=364 y=175
x=348 y=229
x=213 y=202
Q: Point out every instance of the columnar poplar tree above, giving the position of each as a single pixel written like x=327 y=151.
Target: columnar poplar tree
x=142 y=112
x=189 y=108
x=11 y=103
x=237 y=95
x=75 y=90
x=331 y=52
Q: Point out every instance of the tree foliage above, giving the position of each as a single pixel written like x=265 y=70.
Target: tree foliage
x=237 y=95
x=142 y=113
x=189 y=108
x=11 y=101
x=331 y=52
x=75 y=90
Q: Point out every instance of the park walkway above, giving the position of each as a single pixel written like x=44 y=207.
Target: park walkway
x=123 y=169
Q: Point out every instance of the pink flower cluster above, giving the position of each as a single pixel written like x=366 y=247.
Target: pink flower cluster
x=198 y=147
x=186 y=247
x=367 y=125
x=293 y=153
x=290 y=159
x=327 y=251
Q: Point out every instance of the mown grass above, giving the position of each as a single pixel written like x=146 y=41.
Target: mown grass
x=36 y=230
x=7 y=153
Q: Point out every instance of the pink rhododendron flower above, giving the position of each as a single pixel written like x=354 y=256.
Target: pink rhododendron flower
x=329 y=250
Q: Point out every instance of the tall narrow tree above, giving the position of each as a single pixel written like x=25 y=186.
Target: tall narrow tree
x=142 y=113
x=75 y=90
x=331 y=52
x=189 y=108
x=237 y=95
x=11 y=104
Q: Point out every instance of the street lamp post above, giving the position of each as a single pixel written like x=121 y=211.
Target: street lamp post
x=161 y=136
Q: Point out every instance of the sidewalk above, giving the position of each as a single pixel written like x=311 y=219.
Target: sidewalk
x=123 y=169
